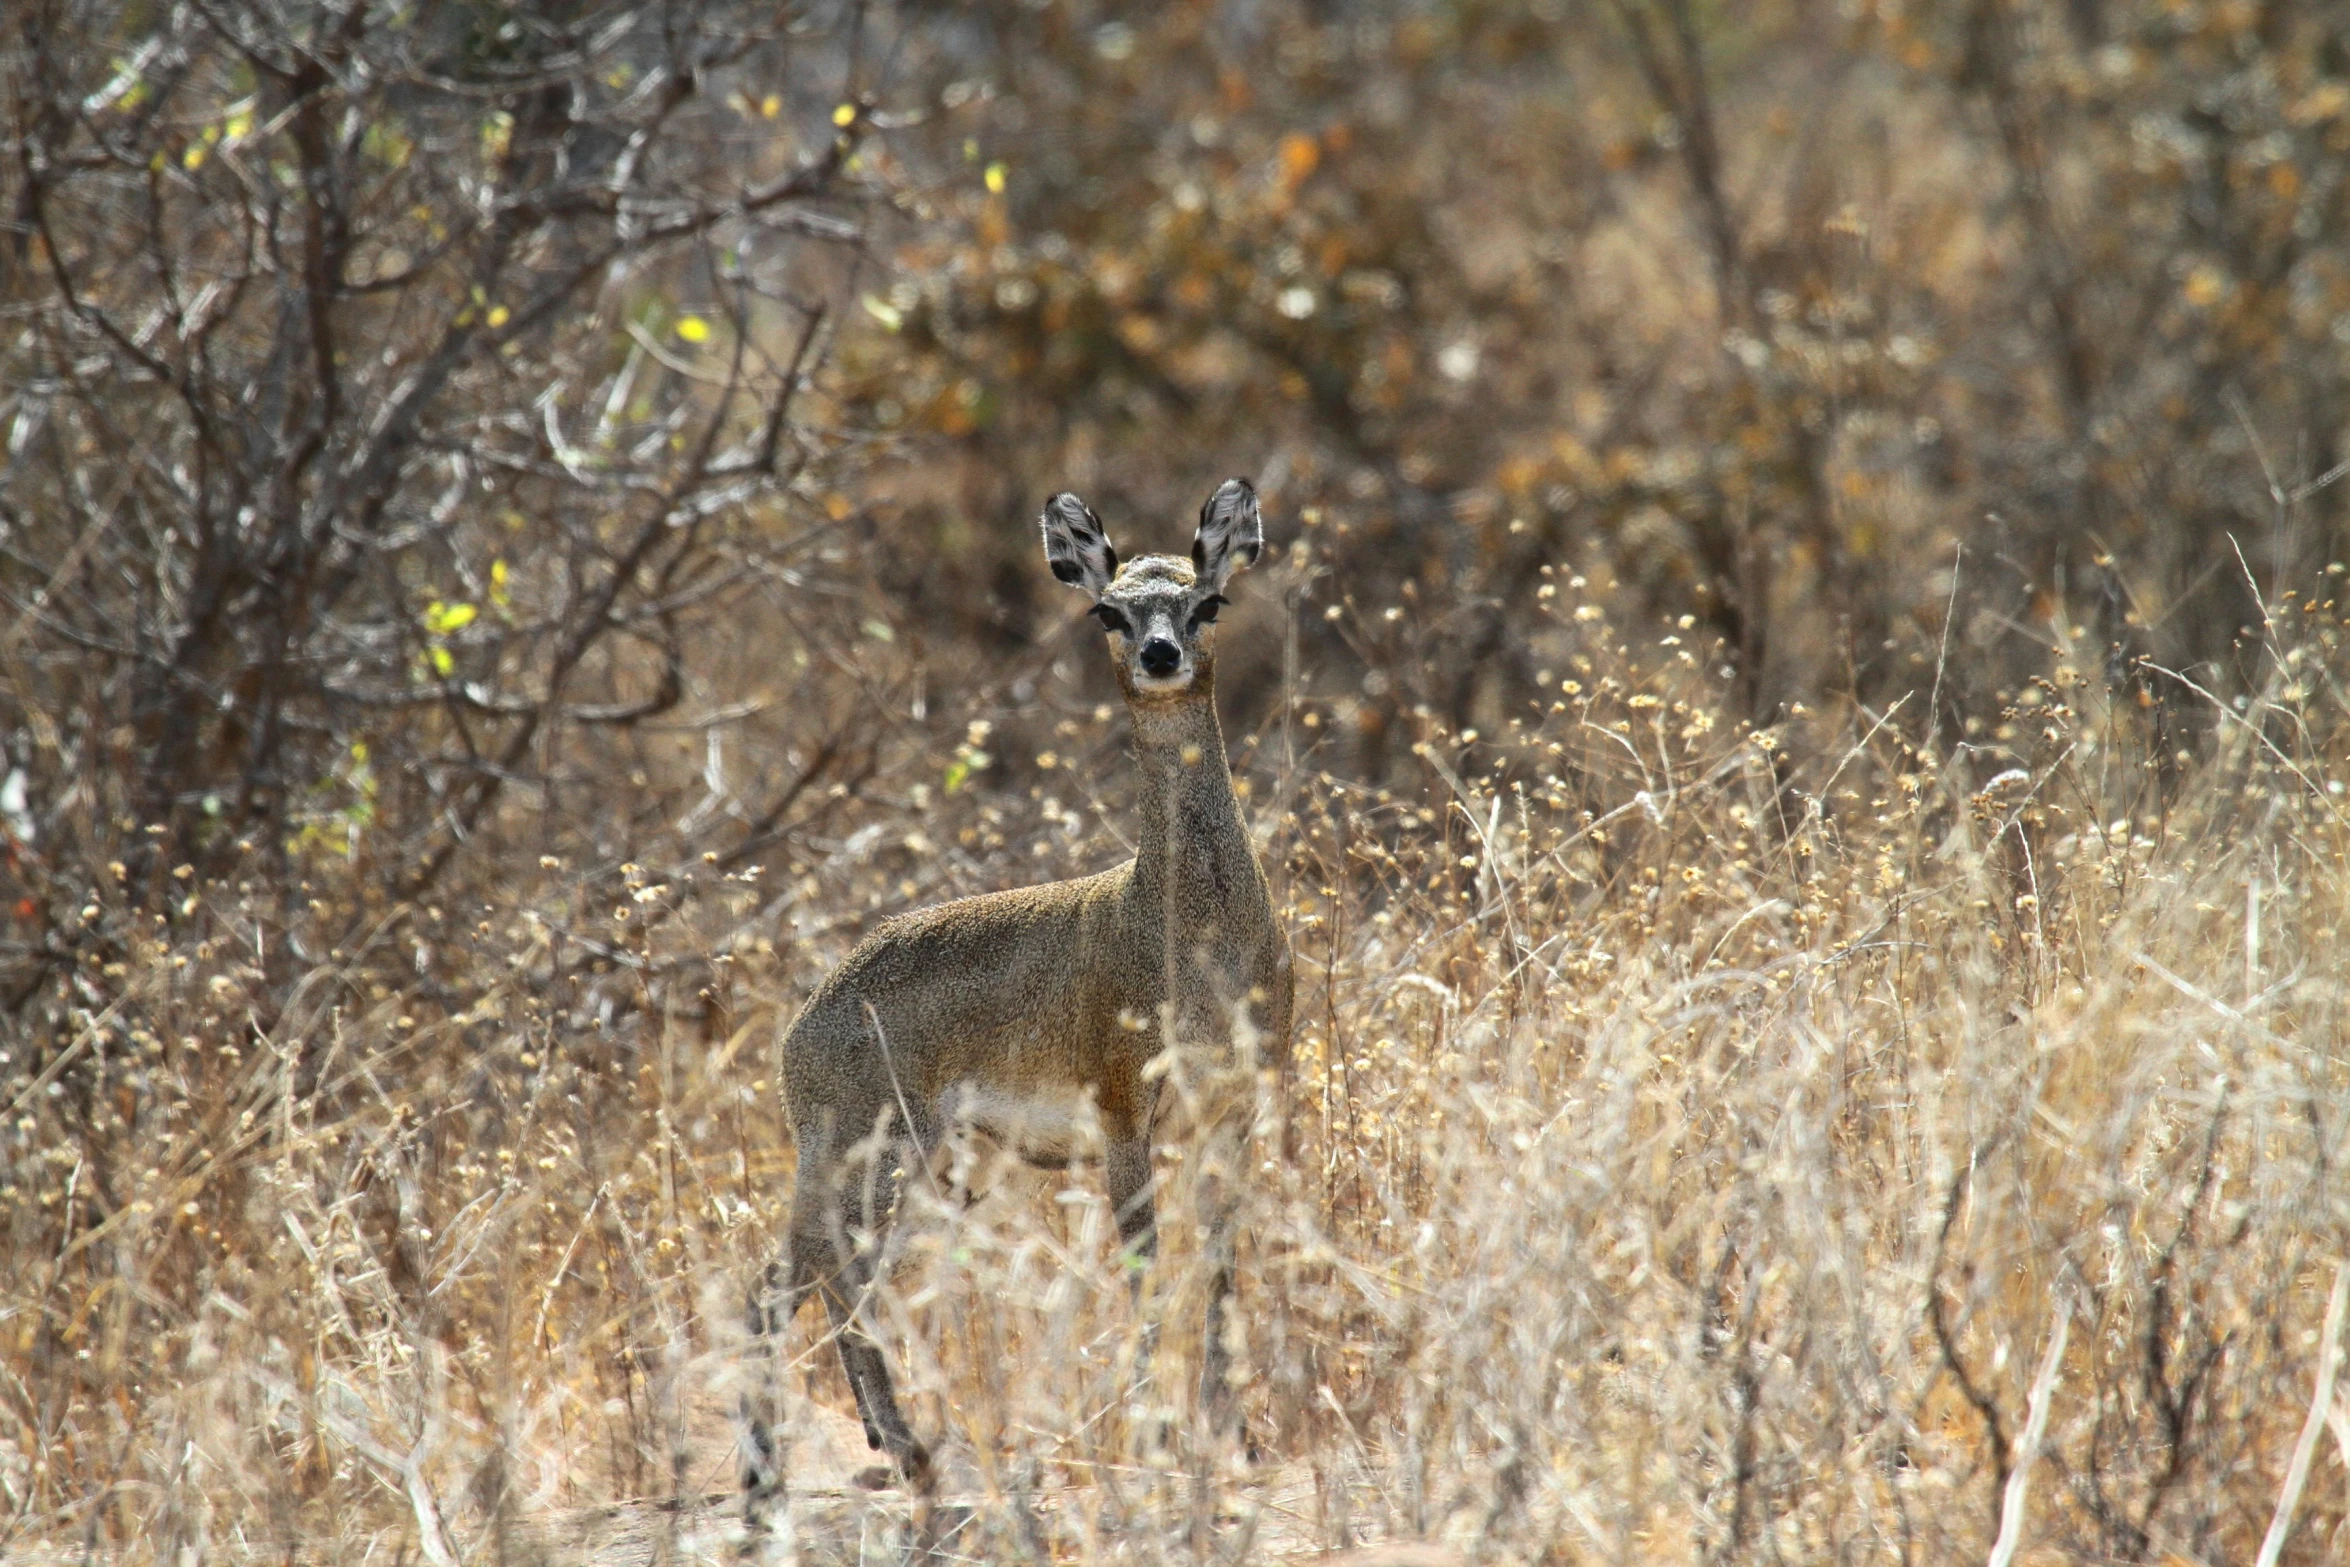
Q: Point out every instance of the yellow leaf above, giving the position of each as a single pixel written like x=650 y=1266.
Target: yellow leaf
x=693 y=329
x=845 y=116
x=771 y=106
x=441 y=619
x=995 y=178
x=499 y=315
x=442 y=663
x=193 y=158
x=884 y=312
x=1300 y=154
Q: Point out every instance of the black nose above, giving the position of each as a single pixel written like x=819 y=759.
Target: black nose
x=1159 y=657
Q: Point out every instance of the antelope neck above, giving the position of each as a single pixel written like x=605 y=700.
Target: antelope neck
x=1190 y=818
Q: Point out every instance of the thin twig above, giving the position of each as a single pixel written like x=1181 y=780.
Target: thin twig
x=2329 y=1365
x=2011 y=1511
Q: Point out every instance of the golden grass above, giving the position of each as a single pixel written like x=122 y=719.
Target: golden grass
x=1694 y=1141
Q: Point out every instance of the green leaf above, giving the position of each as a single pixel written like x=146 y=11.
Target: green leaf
x=387 y=144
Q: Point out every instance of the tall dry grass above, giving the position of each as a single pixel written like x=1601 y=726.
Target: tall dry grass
x=1695 y=1144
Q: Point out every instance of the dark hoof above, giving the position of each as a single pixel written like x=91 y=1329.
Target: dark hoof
x=916 y=1464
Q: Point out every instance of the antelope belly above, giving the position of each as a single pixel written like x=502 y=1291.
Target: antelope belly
x=1041 y=1128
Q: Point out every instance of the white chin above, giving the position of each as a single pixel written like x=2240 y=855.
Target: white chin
x=1159 y=685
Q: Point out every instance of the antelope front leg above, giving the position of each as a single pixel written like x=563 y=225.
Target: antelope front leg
x=1131 y=1200
x=1217 y=1202
x=1130 y=1179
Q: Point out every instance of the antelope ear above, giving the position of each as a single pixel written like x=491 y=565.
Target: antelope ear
x=1075 y=546
x=1231 y=534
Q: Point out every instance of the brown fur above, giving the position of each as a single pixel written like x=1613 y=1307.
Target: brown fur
x=986 y=1010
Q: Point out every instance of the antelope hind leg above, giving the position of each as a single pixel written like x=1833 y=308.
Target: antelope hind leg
x=783 y=1288
x=847 y=1295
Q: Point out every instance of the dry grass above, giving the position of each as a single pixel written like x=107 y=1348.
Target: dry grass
x=1694 y=1143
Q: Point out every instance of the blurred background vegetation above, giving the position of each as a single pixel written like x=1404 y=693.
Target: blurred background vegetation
x=473 y=472
x=413 y=414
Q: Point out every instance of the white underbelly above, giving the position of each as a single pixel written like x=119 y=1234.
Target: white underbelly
x=1048 y=1128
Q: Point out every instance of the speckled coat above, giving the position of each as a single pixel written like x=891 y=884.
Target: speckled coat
x=1002 y=1008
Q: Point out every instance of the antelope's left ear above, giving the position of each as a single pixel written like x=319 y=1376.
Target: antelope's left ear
x=1231 y=534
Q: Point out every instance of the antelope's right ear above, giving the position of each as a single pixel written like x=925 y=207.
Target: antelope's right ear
x=1075 y=546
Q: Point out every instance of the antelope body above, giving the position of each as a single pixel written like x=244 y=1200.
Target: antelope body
x=1006 y=1013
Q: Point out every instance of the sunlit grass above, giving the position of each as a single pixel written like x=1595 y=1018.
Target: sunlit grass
x=1693 y=1139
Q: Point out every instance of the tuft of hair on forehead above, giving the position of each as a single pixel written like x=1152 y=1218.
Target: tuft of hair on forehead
x=1158 y=570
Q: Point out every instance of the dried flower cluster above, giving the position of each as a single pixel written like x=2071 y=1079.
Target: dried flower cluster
x=1687 y=1150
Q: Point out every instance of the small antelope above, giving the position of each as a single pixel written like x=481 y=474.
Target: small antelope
x=1005 y=1013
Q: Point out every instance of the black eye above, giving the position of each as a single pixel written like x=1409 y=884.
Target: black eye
x=1114 y=618
x=1204 y=612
